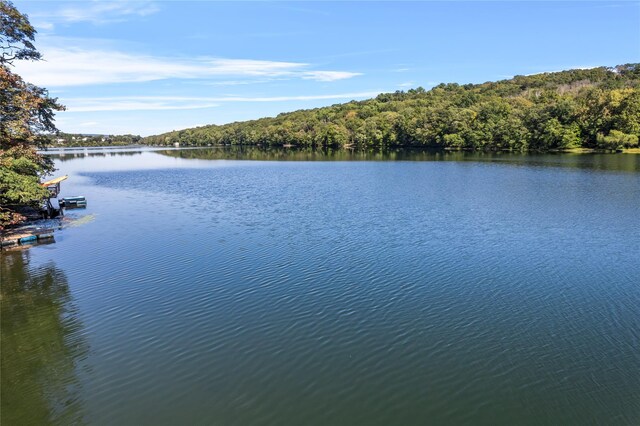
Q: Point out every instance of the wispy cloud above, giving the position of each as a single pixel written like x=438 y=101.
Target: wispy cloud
x=134 y=105
x=143 y=103
x=95 y=12
x=41 y=26
x=74 y=66
x=328 y=75
x=87 y=124
x=238 y=82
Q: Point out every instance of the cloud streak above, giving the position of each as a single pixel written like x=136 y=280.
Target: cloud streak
x=75 y=66
x=95 y=12
x=146 y=103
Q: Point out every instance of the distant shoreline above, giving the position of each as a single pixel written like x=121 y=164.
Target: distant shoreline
x=76 y=148
x=53 y=150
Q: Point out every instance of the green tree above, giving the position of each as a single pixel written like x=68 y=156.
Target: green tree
x=16 y=35
x=541 y=112
x=617 y=140
x=26 y=113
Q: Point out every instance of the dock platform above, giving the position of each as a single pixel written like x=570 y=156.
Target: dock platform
x=14 y=237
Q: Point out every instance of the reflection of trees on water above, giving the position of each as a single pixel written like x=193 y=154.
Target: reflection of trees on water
x=270 y=153
x=595 y=161
x=42 y=344
x=66 y=156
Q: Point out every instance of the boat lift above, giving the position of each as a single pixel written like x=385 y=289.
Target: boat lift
x=53 y=186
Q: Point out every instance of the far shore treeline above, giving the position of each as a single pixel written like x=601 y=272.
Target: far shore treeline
x=84 y=140
x=596 y=108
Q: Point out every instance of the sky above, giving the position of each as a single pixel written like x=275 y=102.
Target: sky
x=147 y=67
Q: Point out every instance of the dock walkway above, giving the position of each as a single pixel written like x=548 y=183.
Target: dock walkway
x=21 y=236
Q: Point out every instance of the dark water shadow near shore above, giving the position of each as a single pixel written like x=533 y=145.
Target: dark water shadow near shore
x=42 y=344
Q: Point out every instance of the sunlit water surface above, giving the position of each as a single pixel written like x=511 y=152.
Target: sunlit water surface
x=404 y=288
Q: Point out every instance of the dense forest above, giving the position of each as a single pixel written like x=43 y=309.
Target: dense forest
x=583 y=108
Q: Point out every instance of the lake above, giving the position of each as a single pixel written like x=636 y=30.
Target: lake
x=330 y=288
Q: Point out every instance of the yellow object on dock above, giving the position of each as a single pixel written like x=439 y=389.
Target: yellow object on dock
x=54 y=181
x=53 y=186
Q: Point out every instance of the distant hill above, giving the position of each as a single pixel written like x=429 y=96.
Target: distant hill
x=582 y=108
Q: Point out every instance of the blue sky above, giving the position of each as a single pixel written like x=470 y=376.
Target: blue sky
x=146 y=67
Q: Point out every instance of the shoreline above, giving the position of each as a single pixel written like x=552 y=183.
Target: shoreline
x=351 y=147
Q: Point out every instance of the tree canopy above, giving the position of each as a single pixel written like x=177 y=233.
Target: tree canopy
x=16 y=35
x=26 y=113
x=590 y=108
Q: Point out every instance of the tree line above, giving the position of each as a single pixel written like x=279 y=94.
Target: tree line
x=584 y=108
x=79 y=140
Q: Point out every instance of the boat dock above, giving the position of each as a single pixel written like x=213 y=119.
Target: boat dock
x=24 y=236
x=35 y=234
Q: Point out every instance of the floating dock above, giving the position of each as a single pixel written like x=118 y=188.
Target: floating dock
x=25 y=236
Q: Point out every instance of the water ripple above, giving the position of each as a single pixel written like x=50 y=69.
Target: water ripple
x=357 y=293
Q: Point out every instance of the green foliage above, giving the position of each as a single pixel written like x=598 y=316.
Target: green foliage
x=26 y=112
x=20 y=171
x=16 y=35
x=617 y=140
x=550 y=111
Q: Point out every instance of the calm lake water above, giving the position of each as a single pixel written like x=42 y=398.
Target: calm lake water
x=403 y=288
